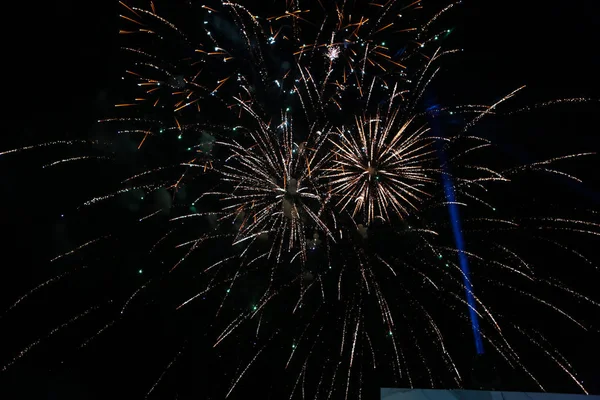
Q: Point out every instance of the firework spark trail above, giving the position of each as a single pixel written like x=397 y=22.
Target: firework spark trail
x=79 y=248
x=94 y=336
x=563 y=359
x=333 y=380
x=248 y=366
x=439 y=339
x=52 y=332
x=490 y=109
x=40 y=286
x=570 y=250
x=574 y=100
x=134 y=294
x=425 y=26
x=305 y=364
x=194 y=246
x=544 y=302
x=145 y=173
x=297 y=343
x=515 y=360
x=80 y=158
x=421 y=356
x=231 y=327
x=194 y=297
x=553 y=358
x=165 y=371
x=300 y=376
x=47 y=144
x=352 y=354
x=470 y=150
x=574 y=293
x=154 y=15
x=159 y=241
x=150 y=215
x=541 y=165
x=118 y=192
x=318 y=388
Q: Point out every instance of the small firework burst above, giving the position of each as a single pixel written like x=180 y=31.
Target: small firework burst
x=333 y=52
x=380 y=166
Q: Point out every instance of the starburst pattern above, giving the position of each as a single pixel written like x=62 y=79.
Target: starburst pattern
x=380 y=166
x=273 y=191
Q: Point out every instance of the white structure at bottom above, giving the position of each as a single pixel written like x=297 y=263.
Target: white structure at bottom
x=434 y=394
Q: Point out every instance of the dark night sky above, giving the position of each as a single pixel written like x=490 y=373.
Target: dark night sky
x=60 y=63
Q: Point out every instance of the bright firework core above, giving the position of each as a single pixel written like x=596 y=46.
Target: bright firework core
x=292 y=187
x=288 y=202
x=372 y=171
x=333 y=52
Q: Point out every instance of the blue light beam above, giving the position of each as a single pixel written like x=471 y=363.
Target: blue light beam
x=462 y=257
x=457 y=232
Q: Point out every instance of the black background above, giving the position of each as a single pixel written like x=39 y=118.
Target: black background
x=60 y=62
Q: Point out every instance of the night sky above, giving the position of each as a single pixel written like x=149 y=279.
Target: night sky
x=62 y=66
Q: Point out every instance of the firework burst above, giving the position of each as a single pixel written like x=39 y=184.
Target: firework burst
x=273 y=190
x=379 y=167
x=321 y=59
